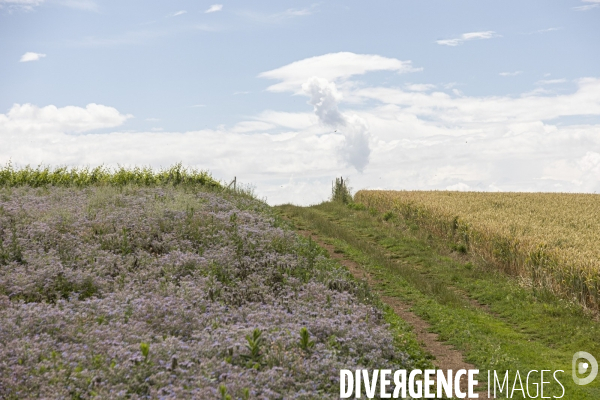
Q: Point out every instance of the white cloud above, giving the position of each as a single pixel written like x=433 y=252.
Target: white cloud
x=279 y=17
x=541 y=31
x=28 y=118
x=449 y=85
x=551 y=81
x=261 y=159
x=443 y=107
x=214 y=8
x=580 y=172
x=324 y=98
x=402 y=139
x=29 y=56
x=466 y=37
x=198 y=105
x=26 y=5
x=333 y=67
x=295 y=12
x=252 y=126
x=548 y=30
x=595 y=4
x=86 y=5
x=29 y=5
x=515 y=73
x=177 y=13
x=461 y=187
x=420 y=87
x=288 y=120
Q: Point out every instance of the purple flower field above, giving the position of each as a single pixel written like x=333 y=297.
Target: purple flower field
x=173 y=292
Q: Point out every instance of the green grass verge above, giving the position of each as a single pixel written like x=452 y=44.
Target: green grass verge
x=518 y=328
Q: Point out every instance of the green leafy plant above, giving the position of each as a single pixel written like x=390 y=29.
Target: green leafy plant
x=254 y=346
x=145 y=349
x=357 y=206
x=305 y=343
x=223 y=392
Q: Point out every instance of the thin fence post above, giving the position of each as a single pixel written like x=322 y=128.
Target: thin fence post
x=234 y=183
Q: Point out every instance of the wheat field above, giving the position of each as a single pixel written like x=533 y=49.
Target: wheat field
x=552 y=240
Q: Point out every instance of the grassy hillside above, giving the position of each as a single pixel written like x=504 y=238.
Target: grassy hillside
x=552 y=240
x=174 y=291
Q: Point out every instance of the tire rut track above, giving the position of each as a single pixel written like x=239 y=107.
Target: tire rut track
x=446 y=357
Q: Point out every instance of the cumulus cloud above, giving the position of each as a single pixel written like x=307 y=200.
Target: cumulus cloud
x=468 y=110
x=288 y=120
x=266 y=160
x=333 y=67
x=252 y=126
x=420 y=87
x=582 y=172
x=590 y=163
x=467 y=37
x=30 y=56
x=324 y=98
x=461 y=187
x=28 y=118
x=214 y=8
x=399 y=138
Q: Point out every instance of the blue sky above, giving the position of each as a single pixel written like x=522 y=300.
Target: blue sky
x=286 y=95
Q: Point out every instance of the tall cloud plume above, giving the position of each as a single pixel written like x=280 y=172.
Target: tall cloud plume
x=324 y=98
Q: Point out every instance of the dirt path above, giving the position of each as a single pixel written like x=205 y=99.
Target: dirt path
x=446 y=357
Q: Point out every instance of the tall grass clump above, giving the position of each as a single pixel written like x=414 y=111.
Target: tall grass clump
x=120 y=176
x=340 y=192
x=549 y=239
